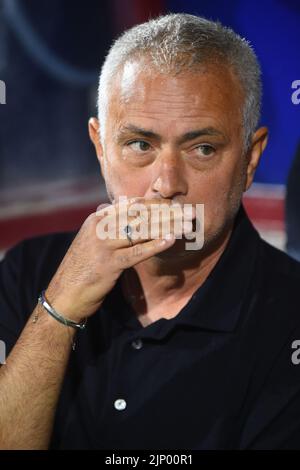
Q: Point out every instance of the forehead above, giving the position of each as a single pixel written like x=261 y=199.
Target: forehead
x=211 y=95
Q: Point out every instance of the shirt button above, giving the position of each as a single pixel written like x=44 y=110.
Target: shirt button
x=137 y=344
x=120 y=404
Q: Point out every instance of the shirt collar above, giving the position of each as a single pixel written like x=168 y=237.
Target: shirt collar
x=218 y=303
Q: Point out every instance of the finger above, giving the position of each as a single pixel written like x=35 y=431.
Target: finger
x=153 y=210
x=123 y=205
x=143 y=208
x=118 y=237
x=128 y=257
x=108 y=228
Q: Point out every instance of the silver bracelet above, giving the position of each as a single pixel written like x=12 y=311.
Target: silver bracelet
x=42 y=300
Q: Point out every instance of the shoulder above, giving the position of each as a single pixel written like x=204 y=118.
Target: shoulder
x=26 y=269
x=57 y=242
x=273 y=417
x=280 y=269
x=278 y=291
x=37 y=255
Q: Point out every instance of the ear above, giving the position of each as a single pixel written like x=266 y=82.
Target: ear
x=95 y=137
x=258 y=145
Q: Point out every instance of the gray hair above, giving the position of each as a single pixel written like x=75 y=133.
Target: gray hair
x=178 y=42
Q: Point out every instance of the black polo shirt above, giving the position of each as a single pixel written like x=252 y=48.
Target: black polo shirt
x=219 y=375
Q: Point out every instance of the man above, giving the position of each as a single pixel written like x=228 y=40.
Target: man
x=180 y=349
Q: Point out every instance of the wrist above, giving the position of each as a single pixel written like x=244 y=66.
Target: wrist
x=62 y=309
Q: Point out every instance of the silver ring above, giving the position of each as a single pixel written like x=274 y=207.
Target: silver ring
x=128 y=231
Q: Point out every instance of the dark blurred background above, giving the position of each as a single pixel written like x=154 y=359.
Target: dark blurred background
x=51 y=52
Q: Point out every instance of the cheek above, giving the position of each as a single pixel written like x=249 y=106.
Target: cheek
x=124 y=181
x=211 y=187
x=221 y=190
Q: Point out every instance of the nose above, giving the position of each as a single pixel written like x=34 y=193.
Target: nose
x=169 y=176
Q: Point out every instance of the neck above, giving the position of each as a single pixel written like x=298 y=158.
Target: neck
x=171 y=280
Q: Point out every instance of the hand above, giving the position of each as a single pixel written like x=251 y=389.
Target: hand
x=92 y=266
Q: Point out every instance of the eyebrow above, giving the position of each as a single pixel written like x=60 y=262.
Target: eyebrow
x=191 y=135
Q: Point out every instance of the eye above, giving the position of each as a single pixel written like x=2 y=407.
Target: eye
x=204 y=150
x=139 y=145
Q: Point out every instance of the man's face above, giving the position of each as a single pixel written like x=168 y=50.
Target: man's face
x=179 y=138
